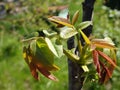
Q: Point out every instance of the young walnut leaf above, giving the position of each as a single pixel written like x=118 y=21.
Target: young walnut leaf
x=41 y=58
x=60 y=21
x=84 y=25
x=85 y=37
x=67 y=33
x=102 y=43
x=106 y=72
x=107 y=58
x=70 y=55
x=51 y=47
x=96 y=61
x=106 y=69
x=75 y=17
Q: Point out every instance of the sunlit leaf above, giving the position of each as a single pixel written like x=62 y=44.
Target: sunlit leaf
x=107 y=58
x=109 y=40
x=50 y=45
x=75 y=17
x=67 y=33
x=96 y=61
x=79 y=46
x=70 y=55
x=43 y=52
x=61 y=21
x=39 y=57
x=102 y=43
x=58 y=46
x=84 y=25
x=85 y=38
x=85 y=68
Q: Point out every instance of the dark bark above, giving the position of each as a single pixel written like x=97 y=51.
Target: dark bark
x=113 y=4
x=75 y=71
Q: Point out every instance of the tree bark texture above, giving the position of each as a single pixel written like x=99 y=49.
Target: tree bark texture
x=113 y=4
x=75 y=71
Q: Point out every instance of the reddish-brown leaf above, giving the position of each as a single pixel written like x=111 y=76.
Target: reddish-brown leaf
x=106 y=76
x=47 y=74
x=96 y=61
x=33 y=70
x=106 y=69
x=107 y=58
x=102 y=78
x=60 y=21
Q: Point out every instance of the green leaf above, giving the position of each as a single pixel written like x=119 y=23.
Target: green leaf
x=85 y=37
x=33 y=46
x=48 y=34
x=67 y=33
x=70 y=55
x=43 y=52
x=75 y=17
x=84 y=25
x=85 y=68
x=76 y=7
x=51 y=47
x=80 y=46
x=58 y=46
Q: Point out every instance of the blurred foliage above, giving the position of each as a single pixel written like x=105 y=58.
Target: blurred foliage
x=25 y=16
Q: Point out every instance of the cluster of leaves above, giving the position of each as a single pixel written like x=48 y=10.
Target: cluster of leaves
x=41 y=49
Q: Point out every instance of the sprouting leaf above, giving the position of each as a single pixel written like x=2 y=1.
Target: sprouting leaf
x=111 y=69
x=102 y=43
x=85 y=37
x=75 y=17
x=67 y=33
x=70 y=55
x=106 y=73
x=80 y=46
x=85 y=68
x=109 y=40
x=107 y=58
x=60 y=21
x=51 y=47
x=106 y=69
x=96 y=61
x=84 y=25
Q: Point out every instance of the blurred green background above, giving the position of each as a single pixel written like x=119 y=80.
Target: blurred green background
x=22 y=17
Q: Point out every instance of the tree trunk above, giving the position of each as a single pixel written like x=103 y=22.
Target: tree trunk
x=113 y=4
x=75 y=71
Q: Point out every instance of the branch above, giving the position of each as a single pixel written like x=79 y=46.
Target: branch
x=75 y=71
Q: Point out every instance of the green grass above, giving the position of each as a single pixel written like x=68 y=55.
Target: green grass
x=14 y=72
